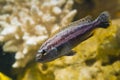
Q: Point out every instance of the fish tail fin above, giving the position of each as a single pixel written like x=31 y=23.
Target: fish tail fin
x=104 y=19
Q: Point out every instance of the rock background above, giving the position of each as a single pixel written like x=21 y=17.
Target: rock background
x=97 y=58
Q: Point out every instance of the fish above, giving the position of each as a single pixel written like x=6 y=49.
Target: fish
x=62 y=43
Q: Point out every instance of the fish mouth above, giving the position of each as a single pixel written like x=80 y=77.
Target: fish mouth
x=41 y=59
x=38 y=57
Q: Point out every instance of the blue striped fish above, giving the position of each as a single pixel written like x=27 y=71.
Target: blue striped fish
x=63 y=42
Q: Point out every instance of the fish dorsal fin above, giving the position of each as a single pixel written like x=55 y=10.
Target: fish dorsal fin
x=84 y=20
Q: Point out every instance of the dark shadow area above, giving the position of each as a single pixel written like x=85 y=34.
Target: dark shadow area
x=112 y=59
x=6 y=61
x=90 y=62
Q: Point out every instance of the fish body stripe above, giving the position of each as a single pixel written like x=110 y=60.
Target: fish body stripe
x=70 y=34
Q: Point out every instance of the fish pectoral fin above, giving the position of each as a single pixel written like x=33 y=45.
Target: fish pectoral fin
x=54 y=50
x=71 y=53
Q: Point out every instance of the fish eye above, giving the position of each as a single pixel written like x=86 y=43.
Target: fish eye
x=43 y=52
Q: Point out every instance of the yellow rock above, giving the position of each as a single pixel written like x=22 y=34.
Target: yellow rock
x=4 y=77
x=33 y=73
x=97 y=58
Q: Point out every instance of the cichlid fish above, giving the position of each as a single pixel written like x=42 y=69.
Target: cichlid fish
x=62 y=43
